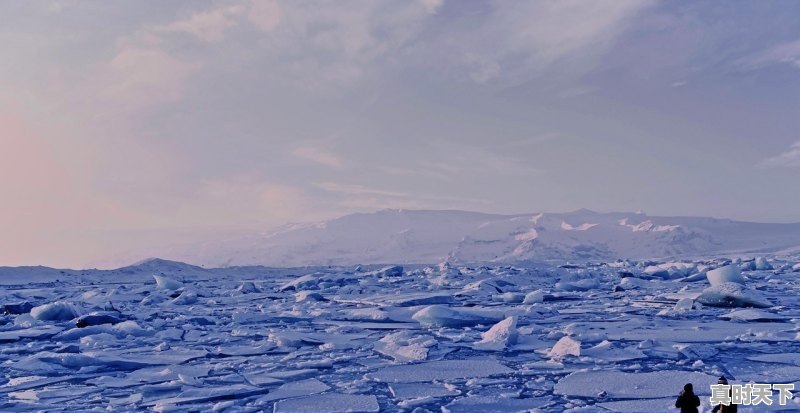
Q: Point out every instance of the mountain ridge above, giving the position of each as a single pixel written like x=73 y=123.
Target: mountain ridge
x=431 y=236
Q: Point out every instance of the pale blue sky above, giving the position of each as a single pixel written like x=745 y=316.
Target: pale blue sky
x=126 y=124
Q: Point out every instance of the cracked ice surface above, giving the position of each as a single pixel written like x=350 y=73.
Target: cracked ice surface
x=620 y=336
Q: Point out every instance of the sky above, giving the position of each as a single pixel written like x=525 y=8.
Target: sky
x=130 y=124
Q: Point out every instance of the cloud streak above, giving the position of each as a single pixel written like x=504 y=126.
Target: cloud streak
x=318 y=155
x=789 y=158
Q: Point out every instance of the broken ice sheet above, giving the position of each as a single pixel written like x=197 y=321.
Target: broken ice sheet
x=483 y=404
x=408 y=391
x=440 y=370
x=329 y=403
x=355 y=347
x=295 y=389
x=621 y=385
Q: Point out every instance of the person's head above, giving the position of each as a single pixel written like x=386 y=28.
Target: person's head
x=688 y=388
x=722 y=380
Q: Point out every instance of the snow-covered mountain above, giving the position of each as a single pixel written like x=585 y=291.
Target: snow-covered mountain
x=424 y=236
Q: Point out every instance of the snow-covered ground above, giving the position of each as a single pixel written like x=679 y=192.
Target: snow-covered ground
x=619 y=336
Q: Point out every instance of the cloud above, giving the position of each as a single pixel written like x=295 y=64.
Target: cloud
x=265 y=14
x=784 y=53
x=317 y=155
x=209 y=26
x=521 y=38
x=243 y=200
x=456 y=158
x=351 y=197
x=357 y=190
x=789 y=158
x=139 y=77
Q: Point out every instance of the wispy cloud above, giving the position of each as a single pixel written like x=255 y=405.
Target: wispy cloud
x=789 y=158
x=364 y=198
x=783 y=53
x=318 y=155
x=524 y=37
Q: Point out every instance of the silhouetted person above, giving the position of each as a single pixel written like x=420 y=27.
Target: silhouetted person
x=687 y=400
x=721 y=408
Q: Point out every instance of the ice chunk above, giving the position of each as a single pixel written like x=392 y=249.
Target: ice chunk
x=77 y=361
x=167 y=283
x=247 y=287
x=585 y=284
x=308 y=296
x=697 y=351
x=404 y=347
x=401 y=299
x=186 y=298
x=565 y=346
x=439 y=316
x=511 y=298
x=731 y=294
x=296 y=389
x=390 y=271
x=329 y=403
x=609 y=352
x=684 y=304
x=57 y=311
x=761 y=264
x=728 y=273
x=500 y=336
x=308 y=282
x=534 y=297
x=206 y=394
x=408 y=391
x=621 y=385
x=17 y=308
x=32 y=332
x=439 y=370
x=482 y=287
x=752 y=315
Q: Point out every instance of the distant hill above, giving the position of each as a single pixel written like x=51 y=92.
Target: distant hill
x=424 y=236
